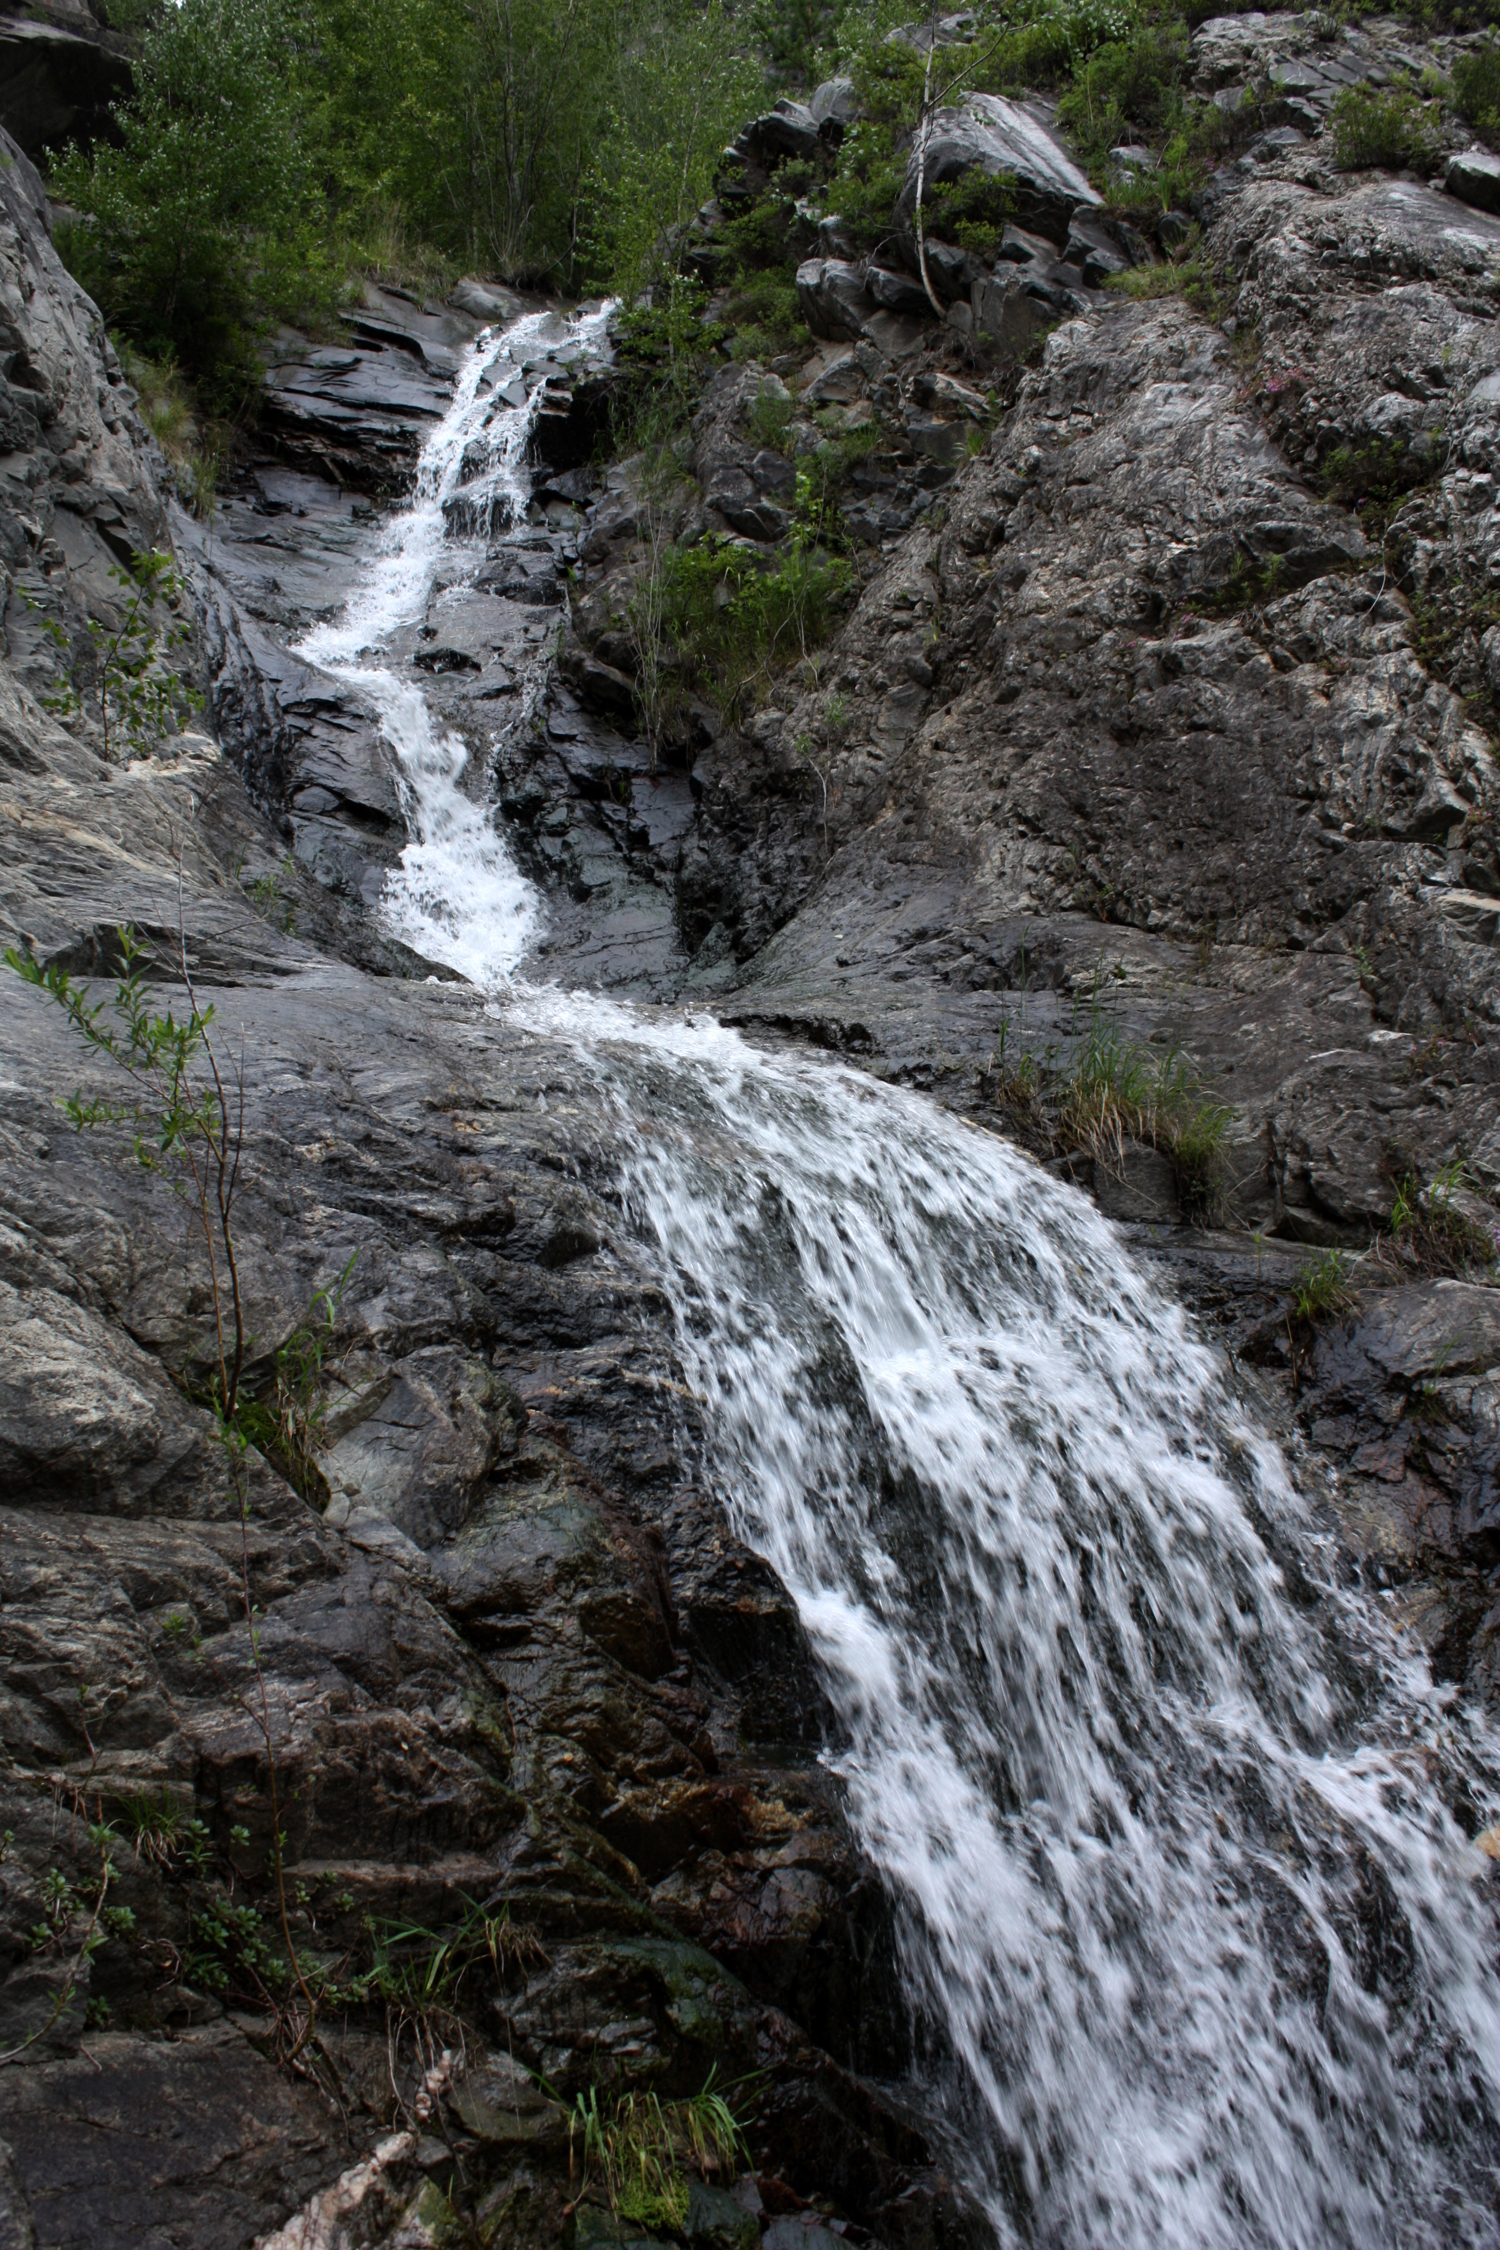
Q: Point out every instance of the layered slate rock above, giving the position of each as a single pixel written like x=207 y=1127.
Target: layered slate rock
x=356 y=413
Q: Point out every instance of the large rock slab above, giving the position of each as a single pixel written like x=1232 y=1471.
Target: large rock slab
x=1004 y=140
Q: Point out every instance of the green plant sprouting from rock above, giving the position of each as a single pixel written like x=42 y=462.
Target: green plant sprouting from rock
x=638 y=2148
x=128 y=681
x=1321 y=1290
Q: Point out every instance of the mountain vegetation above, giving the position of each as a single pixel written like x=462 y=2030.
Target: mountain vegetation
x=274 y=149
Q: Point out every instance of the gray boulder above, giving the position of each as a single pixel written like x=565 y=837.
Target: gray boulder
x=1003 y=139
x=832 y=297
x=897 y=292
x=484 y=301
x=834 y=239
x=1094 y=248
x=949 y=31
x=789 y=130
x=1474 y=177
x=834 y=104
x=953 y=271
x=1006 y=313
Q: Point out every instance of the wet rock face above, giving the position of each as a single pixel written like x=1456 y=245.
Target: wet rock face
x=510 y=1655
x=1002 y=140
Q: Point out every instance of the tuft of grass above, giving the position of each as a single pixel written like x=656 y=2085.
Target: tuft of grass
x=1321 y=1289
x=639 y=2146
x=196 y=450
x=1117 y=1090
x=1154 y=281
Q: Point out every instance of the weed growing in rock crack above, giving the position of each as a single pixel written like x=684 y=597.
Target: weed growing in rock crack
x=1116 y=1090
x=287 y=1425
x=638 y=2147
x=73 y=1922
x=1321 y=1288
x=129 y=682
x=265 y=896
x=420 y=1973
x=1431 y=1231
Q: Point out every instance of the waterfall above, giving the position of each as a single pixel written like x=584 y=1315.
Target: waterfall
x=1199 y=1956
x=457 y=896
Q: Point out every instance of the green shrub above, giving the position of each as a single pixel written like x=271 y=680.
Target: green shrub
x=971 y=210
x=1476 y=91
x=1129 y=88
x=1395 y=128
x=736 y=623
x=771 y=416
x=203 y=221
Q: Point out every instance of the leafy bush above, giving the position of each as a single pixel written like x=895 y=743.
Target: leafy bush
x=770 y=417
x=1394 y=128
x=1476 y=91
x=202 y=222
x=971 y=210
x=736 y=622
x=1129 y=87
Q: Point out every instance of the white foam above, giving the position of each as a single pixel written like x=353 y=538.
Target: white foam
x=457 y=895
x=1203 y=1960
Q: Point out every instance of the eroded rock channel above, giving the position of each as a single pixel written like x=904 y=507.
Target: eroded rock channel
x=784 y=1598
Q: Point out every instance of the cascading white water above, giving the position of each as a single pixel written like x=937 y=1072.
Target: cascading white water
x=457 y=896
x=1200 y=1956
x=1203 y=1957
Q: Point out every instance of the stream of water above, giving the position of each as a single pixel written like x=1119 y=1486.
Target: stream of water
x=1198 y=1953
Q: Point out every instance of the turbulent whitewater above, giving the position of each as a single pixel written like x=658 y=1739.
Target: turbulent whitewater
x=1197 y=1951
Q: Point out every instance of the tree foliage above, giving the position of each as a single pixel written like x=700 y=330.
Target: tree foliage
x=269 y=142
x=205 y=210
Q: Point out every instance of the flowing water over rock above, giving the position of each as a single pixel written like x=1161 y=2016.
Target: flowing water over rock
x=1198 y=1947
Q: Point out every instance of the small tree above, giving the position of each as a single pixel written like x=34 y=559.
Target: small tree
x=137 y=694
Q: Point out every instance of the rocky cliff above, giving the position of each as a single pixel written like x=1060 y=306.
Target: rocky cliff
x=1136 y=730
x=520 y=1677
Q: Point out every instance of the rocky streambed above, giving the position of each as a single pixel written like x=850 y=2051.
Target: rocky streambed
x=523 y=1675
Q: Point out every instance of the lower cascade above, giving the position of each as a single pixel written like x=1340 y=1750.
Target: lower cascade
x=1196 y=1949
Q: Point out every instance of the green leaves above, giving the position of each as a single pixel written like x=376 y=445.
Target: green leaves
x=127 y=679
x=206 y=216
